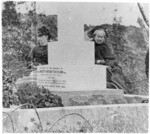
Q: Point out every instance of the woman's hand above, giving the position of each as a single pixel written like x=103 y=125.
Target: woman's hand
x=100 y=62
x=33 y=66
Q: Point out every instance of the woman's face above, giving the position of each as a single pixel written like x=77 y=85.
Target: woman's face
x=42 y=40
x=99 y=37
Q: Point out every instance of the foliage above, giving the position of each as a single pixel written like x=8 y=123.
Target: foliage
x=9 y=14
x=130 y=50
x=50 y=22
x=27 y=93
x=121 y=122
x=9 y=98
x=39 y=97
x=18 y=37
x=19 y=33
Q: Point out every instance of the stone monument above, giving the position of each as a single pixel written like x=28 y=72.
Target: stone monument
x=71 y=70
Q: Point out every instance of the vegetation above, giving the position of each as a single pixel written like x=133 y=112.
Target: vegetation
x=8 y=97
x=130 y=49
x=18 y=37
x=39 y=97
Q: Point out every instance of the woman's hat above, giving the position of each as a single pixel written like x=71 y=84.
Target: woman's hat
x=44 y=31
x=91 y=32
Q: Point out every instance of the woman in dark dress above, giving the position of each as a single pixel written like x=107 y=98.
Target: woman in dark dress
x=39 y=54
x=104 y=55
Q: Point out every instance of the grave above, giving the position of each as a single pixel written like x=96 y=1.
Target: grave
x=69 y=74
x=71 y=71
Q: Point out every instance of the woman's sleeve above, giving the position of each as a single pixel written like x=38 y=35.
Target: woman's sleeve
x=110 y=57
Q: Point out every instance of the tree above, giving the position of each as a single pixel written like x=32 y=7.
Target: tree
x=143 y=14
x=17 y=38
x=19 y=33
x=9 y=15
x=145 y=31
x=117 y=35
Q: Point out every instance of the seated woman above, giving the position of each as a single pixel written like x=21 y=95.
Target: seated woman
x=104 y=55
x=39 y=54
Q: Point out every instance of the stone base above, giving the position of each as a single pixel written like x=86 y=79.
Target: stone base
x=88 y=97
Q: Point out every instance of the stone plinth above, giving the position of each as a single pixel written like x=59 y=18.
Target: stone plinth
x=88 y=97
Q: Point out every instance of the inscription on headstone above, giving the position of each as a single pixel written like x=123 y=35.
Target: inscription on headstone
x=51 y=77
x=71 y=77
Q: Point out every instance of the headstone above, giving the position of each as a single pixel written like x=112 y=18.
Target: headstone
x=72 y=55
x=71 y=65
x=71 y=49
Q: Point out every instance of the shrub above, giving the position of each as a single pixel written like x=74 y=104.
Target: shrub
x=9 y=97
x=39 y=97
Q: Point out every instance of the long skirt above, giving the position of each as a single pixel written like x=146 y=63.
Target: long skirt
x=115 y=78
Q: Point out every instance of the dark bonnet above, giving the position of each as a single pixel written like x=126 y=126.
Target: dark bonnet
x=44 y=31
x=91 y=32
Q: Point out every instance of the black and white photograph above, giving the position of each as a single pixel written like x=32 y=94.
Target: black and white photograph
x=75 y=67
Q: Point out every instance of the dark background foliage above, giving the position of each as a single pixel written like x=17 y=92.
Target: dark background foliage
x=18 y=38
x=19 y=35
x=130 y=49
